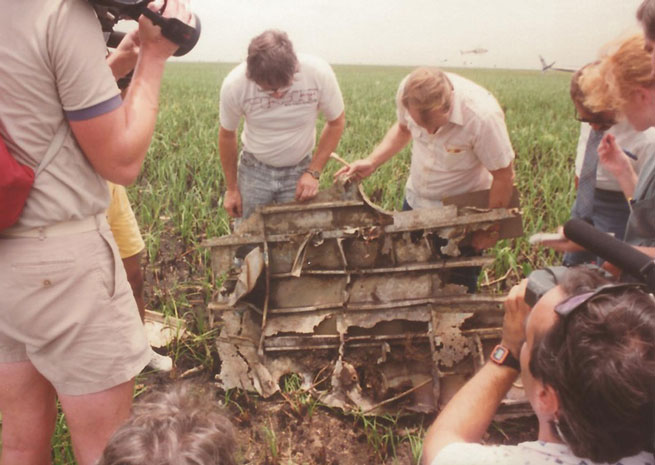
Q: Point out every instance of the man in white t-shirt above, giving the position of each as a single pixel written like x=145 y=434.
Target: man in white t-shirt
x=280 y=96
x=460 y=143
x=588 y=368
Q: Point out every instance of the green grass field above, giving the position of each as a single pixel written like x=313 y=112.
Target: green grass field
x=178 y=197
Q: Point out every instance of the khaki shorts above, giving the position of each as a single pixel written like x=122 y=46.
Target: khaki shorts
x=66 y=306
x=123 y=223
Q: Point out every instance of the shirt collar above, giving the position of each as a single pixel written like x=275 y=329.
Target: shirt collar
x=456 y=115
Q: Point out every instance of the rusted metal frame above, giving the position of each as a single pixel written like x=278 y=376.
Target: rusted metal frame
x=289 y=341
x=481 y=304
x=474 y=302
x=484 y=219
x=267 y=272
x=290 y=208
x=434 y=368
x=442 y=264
x=478 y=345
x=483 y=333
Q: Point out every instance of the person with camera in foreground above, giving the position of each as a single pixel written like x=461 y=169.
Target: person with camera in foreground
x=69 y=327
x=586 y=356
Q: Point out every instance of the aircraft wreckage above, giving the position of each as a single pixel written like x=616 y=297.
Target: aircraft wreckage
x=355 y=300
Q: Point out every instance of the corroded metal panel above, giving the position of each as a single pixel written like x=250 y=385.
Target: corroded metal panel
x=356 y=300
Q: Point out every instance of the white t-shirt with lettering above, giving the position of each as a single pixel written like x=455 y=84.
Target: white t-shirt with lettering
x=457 y=158
x=281 y=131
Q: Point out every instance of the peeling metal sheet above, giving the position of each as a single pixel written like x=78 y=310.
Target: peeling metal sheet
x=452 y=344
x=356 y=300
x=247 y=271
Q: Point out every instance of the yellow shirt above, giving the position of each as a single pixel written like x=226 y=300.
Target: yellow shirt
x=123 y=223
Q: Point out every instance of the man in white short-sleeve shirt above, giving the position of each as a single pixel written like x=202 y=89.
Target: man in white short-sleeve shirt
x=460 y=143
x=583 y=354
x=280 y=96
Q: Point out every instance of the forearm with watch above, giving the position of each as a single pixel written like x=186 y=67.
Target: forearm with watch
x=468 y=414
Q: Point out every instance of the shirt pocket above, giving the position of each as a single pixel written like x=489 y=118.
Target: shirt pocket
x=455 y=157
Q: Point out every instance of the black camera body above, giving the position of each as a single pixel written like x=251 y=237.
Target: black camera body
x=111 y=11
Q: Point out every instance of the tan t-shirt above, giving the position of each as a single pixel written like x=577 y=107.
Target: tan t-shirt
x=457 y=158
x=53 y=69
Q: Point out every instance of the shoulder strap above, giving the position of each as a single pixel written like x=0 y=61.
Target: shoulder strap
x=55 y=145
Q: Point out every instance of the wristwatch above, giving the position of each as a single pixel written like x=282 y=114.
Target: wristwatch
x=501 y=355
x=316 y=174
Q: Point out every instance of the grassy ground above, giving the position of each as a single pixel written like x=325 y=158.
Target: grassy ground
x=178 y=199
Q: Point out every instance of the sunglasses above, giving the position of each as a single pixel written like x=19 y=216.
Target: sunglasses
x=568 y=306
x=595 y=118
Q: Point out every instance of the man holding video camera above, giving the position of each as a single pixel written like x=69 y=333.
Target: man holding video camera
x=69 y=328
x=586 y=356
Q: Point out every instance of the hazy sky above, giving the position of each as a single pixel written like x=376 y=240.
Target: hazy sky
x=416 y=32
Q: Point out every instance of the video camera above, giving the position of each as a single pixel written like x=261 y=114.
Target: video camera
x=637 y=265
x=111 y=11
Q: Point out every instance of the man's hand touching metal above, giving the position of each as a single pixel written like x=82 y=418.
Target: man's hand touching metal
x=232 y=203
x=307 y=187
x=357 y=170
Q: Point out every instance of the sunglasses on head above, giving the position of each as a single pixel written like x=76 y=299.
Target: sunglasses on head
x=569 y=305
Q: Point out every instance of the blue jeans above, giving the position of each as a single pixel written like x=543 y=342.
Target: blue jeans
x=611 y=211
x=262 y=184
x=465 y=276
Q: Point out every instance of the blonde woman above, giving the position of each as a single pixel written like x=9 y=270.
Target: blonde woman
x=624 y=82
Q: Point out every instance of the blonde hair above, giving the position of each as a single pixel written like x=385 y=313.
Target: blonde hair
x=180 y=426
x=427 y=90
x=625 y=67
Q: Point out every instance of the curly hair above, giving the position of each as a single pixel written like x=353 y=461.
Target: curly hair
x=600 y=360
x=625 y=67
x=427 y=89
x=179 y=426
x=271 y=59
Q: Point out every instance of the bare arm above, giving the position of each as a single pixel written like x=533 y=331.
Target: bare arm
x=396 y=138
x=116 y=143
x=228 y=150
x=500 y=193
x=307 y=186
x=468 y=414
